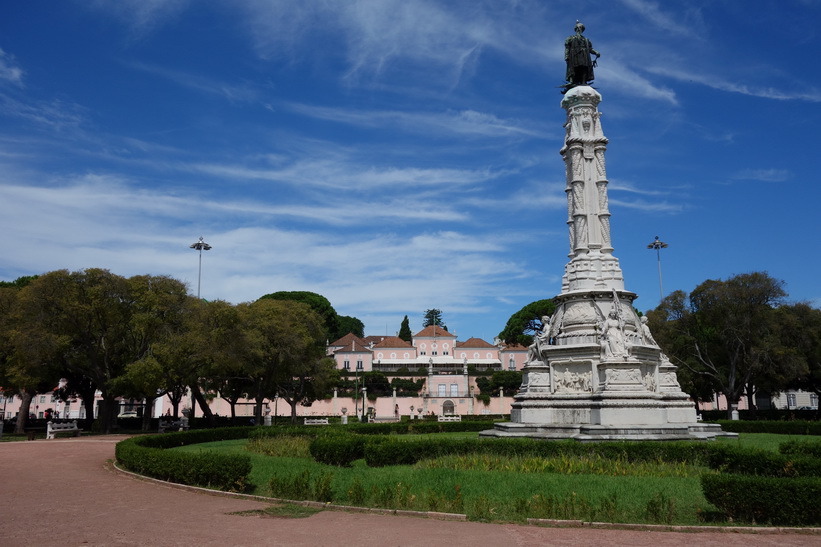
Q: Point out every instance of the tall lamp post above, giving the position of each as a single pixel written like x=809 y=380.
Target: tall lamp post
x=200 y=246
x=658 y=245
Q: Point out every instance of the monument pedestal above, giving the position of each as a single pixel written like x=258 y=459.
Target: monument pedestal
x=595 y=372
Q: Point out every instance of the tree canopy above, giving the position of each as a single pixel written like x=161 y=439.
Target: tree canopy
x=433 y=316
x=526 y=322
x=727 y=331
x=336 y=326
x=405 y=331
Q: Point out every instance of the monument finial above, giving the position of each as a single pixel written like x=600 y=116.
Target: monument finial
x=577 y=51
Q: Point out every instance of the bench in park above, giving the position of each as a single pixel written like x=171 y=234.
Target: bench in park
x=316 y=421
x=449 y=418
x=53 y=428
x=173 y=425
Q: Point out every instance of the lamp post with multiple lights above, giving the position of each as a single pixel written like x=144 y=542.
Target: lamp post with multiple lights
x=200 y=246
x=658 y=245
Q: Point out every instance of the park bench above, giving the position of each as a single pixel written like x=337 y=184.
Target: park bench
x=173 y=425
x=53 y=428
x=449 y=418
x=316 y=421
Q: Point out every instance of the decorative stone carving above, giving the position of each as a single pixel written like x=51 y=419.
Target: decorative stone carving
x=573 y=382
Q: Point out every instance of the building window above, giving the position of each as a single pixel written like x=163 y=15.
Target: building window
x=813 y=400
x=347 y=365
x=791 y=400
x=443 y=390
x=512 y=364
x=42 y=398
x=433 y=353
x=379 y=355
x=445 y=352
x=454 y=390
x=422 y=352
x=359 y=365
x=490 y=355
x=393 y=356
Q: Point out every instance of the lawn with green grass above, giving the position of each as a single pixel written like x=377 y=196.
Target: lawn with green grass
x=490 y=487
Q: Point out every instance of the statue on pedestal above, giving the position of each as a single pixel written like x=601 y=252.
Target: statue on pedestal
x=577 y=50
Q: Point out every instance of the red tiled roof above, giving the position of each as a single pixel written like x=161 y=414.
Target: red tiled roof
x=347 y=339
x=392 y=342
x=474 y=343
x=429 y=332
x=354 y=347
x=515 y=347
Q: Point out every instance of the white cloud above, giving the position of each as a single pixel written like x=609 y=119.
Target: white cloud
x=786 y=93
x=237 y=93
x=764 y=175
x=669 y=23
x=141 y=16
x=464 y=122
x=9 y=71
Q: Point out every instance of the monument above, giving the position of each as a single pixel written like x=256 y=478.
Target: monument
x=595 y=372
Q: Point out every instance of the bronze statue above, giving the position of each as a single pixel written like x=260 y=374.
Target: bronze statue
x=577 y=50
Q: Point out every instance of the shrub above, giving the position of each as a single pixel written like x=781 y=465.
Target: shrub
x=797 y=427
x=732 y=459
x=779 y=501
x=339 y=450
x=147 y=456
x=806 y=448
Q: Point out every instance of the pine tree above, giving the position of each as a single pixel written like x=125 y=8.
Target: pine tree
x=434 y=317
x=405 y=331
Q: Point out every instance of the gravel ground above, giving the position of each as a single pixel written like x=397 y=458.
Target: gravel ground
x=64 y=492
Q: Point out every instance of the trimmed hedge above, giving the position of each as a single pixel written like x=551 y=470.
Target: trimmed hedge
x=148 y=455
x=408 y=452
x=730 y=459
x=797 y=427
x=340 y=449
x=806 y=448
x=762 y=500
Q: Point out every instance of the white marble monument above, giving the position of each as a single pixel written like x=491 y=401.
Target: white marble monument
x=595 y=372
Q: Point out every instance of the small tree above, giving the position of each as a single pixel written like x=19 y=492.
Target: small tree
x=405 y=331
x=526 y=322
x=433 y=316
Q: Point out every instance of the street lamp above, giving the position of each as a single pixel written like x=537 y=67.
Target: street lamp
x=200 y=246
x=658 y=245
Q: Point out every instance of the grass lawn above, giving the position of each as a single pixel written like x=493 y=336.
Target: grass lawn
x=508 y=491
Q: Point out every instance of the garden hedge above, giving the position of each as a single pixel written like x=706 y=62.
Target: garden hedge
x=148 y=455
x=765 y=500
x=796 y=427
x=745 y=461
x=806 y=448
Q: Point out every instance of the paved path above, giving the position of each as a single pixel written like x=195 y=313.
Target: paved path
x=62 y=492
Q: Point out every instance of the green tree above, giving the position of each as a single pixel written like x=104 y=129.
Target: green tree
x=508 y=380
x=286 y=346
x=347 y=324
x=316 y=302
x=725 y=332
x=800 y=330
x=26 y=367
x=433 y=316
x=377 y=384
x=405 y=331
x=526 y=322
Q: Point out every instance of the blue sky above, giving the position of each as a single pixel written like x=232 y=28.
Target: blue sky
x=399 y=155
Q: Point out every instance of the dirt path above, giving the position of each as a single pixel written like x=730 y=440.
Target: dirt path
x=61 y=492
